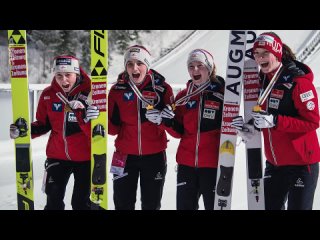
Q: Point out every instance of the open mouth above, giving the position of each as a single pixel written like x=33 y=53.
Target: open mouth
x=264 y=65
x=66 y=86
x=135 y=75
x=196 y=77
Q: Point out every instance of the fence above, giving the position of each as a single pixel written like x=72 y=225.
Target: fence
x=34 y=94
x=35 y=91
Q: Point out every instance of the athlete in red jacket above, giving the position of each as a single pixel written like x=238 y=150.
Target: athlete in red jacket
x=289 y=119
x=197 y=122
x=140 y=144
x=64 y=111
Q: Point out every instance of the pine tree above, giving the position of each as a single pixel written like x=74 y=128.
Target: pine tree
x=120 y=39
x=44 y=45
x=45 y=41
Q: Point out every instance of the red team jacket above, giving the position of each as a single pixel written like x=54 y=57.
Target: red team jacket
x=126 y=113
x=198 y=124
x=293 y=100
x=70 y=136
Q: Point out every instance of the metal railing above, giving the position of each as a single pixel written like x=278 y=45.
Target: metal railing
x=309 y=47
x=36 y=89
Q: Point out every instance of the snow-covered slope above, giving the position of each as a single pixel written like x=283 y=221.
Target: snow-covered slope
x=174 y=67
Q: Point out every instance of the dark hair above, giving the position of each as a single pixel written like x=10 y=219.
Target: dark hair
x=287 y=53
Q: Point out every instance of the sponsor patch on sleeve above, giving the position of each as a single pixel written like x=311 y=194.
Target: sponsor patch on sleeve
x=311 y=105
x=306 y=96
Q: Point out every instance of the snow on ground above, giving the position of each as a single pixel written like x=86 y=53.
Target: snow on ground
x=174 y=68
x=8 y=188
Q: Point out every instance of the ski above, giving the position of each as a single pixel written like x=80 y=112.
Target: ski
x=99 y=66
x=255 y=186
x=18 y=62
x=231 y=107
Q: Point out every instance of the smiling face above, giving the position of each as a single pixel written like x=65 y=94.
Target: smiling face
x=266 y=60
x=66 y=80
x=137 y=70
x=198 y=72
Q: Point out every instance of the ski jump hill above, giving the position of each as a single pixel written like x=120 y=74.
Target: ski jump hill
x=305 y=43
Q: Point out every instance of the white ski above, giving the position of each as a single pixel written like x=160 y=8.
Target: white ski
x=251 y=88
x=231 y=107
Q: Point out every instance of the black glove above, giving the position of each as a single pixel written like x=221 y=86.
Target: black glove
x=19 y=128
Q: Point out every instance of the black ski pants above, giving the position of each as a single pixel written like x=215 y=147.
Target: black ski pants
x=295 y=184
x=58 y=174
x=152 y=170
x=192 y=183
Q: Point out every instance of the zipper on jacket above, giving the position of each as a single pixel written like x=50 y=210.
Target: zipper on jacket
x=139 y=127
x=198 y=132
x=64 y=136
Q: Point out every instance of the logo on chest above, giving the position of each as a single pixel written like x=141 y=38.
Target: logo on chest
x=274 y=103
x=210 y=108
x=212 y=104
x=57 y=107
x=191 y=104
x=150 y=97
x=209 y=113
x=72 y=117
x=275 y=93
x=128 y=96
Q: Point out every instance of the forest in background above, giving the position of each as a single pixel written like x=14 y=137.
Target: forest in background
x=44 y=45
